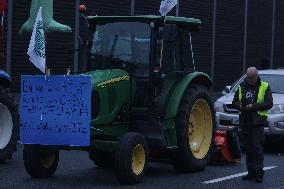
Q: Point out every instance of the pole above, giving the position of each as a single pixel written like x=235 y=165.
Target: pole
x=213 y=40
x=132 y=11
x=76 y=38
x=245 y=37
x=272 y=34
x=9 y=36
x=177 y=8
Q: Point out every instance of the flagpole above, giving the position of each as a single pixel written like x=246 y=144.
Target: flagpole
x=47 y=71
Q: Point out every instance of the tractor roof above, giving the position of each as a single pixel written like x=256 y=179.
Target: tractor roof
x=169 y=19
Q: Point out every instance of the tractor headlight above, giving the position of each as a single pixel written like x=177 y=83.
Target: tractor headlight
x=219 y=106
x=277 y=109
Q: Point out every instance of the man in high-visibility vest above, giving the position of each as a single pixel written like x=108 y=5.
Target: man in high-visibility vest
x=253 y=99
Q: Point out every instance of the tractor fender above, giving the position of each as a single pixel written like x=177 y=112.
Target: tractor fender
x=179 y=89
x=5 y=79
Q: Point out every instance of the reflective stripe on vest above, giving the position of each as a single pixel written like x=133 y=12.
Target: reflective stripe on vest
x=260 y=97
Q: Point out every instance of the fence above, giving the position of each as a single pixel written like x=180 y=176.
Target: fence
x=235 y=34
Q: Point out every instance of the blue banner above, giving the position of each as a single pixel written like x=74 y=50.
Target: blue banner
x=55 y=110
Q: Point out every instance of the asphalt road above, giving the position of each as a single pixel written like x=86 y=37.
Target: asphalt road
x=77 y=171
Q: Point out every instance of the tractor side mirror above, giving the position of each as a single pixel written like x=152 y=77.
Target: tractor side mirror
x=170 y=32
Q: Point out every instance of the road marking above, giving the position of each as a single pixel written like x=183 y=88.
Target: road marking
x=233 y=176
x=277 y=187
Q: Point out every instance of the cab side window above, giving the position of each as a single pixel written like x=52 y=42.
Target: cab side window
x=186 y=52
x=171 y=52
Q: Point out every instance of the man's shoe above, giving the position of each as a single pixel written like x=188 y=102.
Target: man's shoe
x=258 y=180
x=248 y=177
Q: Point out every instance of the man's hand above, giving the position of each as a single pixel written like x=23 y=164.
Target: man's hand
x=249 y=107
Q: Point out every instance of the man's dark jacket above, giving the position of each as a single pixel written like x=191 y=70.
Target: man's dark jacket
x=254 y=117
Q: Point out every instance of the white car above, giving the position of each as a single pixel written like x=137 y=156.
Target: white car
x=226 y=115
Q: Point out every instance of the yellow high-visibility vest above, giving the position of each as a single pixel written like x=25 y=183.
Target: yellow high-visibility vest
x=260 y=97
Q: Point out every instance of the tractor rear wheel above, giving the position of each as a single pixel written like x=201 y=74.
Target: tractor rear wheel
x=131 y=158
x=195 y=127
x=102 y=159
x=40 y=162
x=9 y=125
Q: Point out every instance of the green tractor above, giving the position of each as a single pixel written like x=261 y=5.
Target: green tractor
x=148 y=102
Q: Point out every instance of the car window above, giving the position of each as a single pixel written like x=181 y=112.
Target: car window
x=276 y=82
x=235 y=85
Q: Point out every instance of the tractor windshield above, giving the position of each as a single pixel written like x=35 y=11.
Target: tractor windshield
x=121 y=45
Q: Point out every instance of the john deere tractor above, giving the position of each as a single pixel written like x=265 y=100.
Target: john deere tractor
x=148 y=102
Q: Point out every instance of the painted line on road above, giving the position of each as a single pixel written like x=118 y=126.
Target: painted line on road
x=233 y=176
x=277 y=187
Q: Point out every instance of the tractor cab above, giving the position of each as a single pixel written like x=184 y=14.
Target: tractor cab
x=153 y=51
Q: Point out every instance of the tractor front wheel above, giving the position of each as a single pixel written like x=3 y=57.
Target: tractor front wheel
x=131 y=158
x=195 y=127
x=40 y=162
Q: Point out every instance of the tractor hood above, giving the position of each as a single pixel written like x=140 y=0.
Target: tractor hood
x=110 y=93
x=103 y=78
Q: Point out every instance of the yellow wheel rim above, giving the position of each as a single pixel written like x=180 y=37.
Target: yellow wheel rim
x=200 y=129
x=138 y=159
x=48 y=161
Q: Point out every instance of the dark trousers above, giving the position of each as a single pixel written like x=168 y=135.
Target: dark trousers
x=253 y=140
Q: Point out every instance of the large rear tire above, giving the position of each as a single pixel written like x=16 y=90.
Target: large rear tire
x=9 y=125
x=195 y=127
x=131 y=158
x=40 y=162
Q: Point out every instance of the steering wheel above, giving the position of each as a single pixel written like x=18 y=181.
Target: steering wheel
x=135 y=63
x=120 y=56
